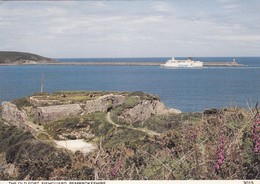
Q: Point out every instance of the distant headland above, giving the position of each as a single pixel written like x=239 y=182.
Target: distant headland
x=17 y=58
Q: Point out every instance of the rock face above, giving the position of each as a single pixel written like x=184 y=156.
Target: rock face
x=57 y=112
x=145 y=110
x=103 y=103
x=12 y=114
x=15 y=117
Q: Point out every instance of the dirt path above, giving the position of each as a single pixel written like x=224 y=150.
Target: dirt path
x=149 y=132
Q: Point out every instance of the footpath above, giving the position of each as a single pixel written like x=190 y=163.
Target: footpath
x=149 y=132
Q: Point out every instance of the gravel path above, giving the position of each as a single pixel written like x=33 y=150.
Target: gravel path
x=76 y=145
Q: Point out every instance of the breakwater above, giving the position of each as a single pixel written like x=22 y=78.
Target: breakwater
x=109 y=63
x=221 y=64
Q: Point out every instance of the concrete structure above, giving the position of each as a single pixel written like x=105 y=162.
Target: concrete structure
x=53 y=113
x=145 y=109
x=103 y=103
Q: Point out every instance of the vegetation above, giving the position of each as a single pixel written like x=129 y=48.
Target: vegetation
x=32 y=157
x=189 y=152
x=145 y=96
x=130 y=102
x=188 y=149
x=216 y=144
x=14 y=57
x=73 y=96
x=21 y=102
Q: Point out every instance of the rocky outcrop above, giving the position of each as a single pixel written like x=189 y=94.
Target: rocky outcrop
x=10 y=169
x=53 y=113
x=13 y=116
x=144 y=110
x=104 y=103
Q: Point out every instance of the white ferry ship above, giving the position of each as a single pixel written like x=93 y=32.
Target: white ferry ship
x=182 y=63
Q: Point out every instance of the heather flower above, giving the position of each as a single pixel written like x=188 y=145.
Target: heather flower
x=113 y=171
x=256 y=134
x=220 y=152
x=120 y=163
x=216 y=166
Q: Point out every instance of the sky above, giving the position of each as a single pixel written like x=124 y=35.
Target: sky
x=131 y=28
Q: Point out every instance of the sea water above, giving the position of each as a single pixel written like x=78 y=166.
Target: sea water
x=188 y=89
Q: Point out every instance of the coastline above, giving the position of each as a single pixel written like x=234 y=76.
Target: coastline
x=205 y=64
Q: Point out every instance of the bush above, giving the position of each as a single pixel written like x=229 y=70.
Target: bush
x=131 y=101
x=21 y=102
x=100 y=127
x=145 y=96
x=125 y=136
x=57 y=128
x=162 y=123
x=34 y=158
x=10 y=136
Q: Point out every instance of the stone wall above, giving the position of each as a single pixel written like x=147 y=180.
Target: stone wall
x=38 y=103
x=15 y=117
x=103 y=103
x=53 y=113
x=145 y=110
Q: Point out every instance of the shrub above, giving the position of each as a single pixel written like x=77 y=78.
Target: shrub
x=21 y=102
x=131 y=101
x=144 y=96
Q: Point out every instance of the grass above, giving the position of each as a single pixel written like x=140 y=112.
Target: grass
x=145 y=96
x=163 y=123
x=32 y=157
x=131 y=101
x=131 y=138
x=186 y=148
x=57 y=128
x=94 y=123
x=74 y=96
x=100 y=126
x=189 y=150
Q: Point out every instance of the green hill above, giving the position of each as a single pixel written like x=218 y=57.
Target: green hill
x=10 y=57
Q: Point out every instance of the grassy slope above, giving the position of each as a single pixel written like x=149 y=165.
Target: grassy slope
x=186 y=148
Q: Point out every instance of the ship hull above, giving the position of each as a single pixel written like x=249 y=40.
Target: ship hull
x=183 y=65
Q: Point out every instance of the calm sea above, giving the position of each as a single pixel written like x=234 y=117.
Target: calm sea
x=186 y=89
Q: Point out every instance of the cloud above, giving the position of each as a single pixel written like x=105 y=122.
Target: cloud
x=128 y=28
x=161 y=6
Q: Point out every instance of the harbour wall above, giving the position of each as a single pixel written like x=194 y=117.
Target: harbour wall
x=214 y=64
